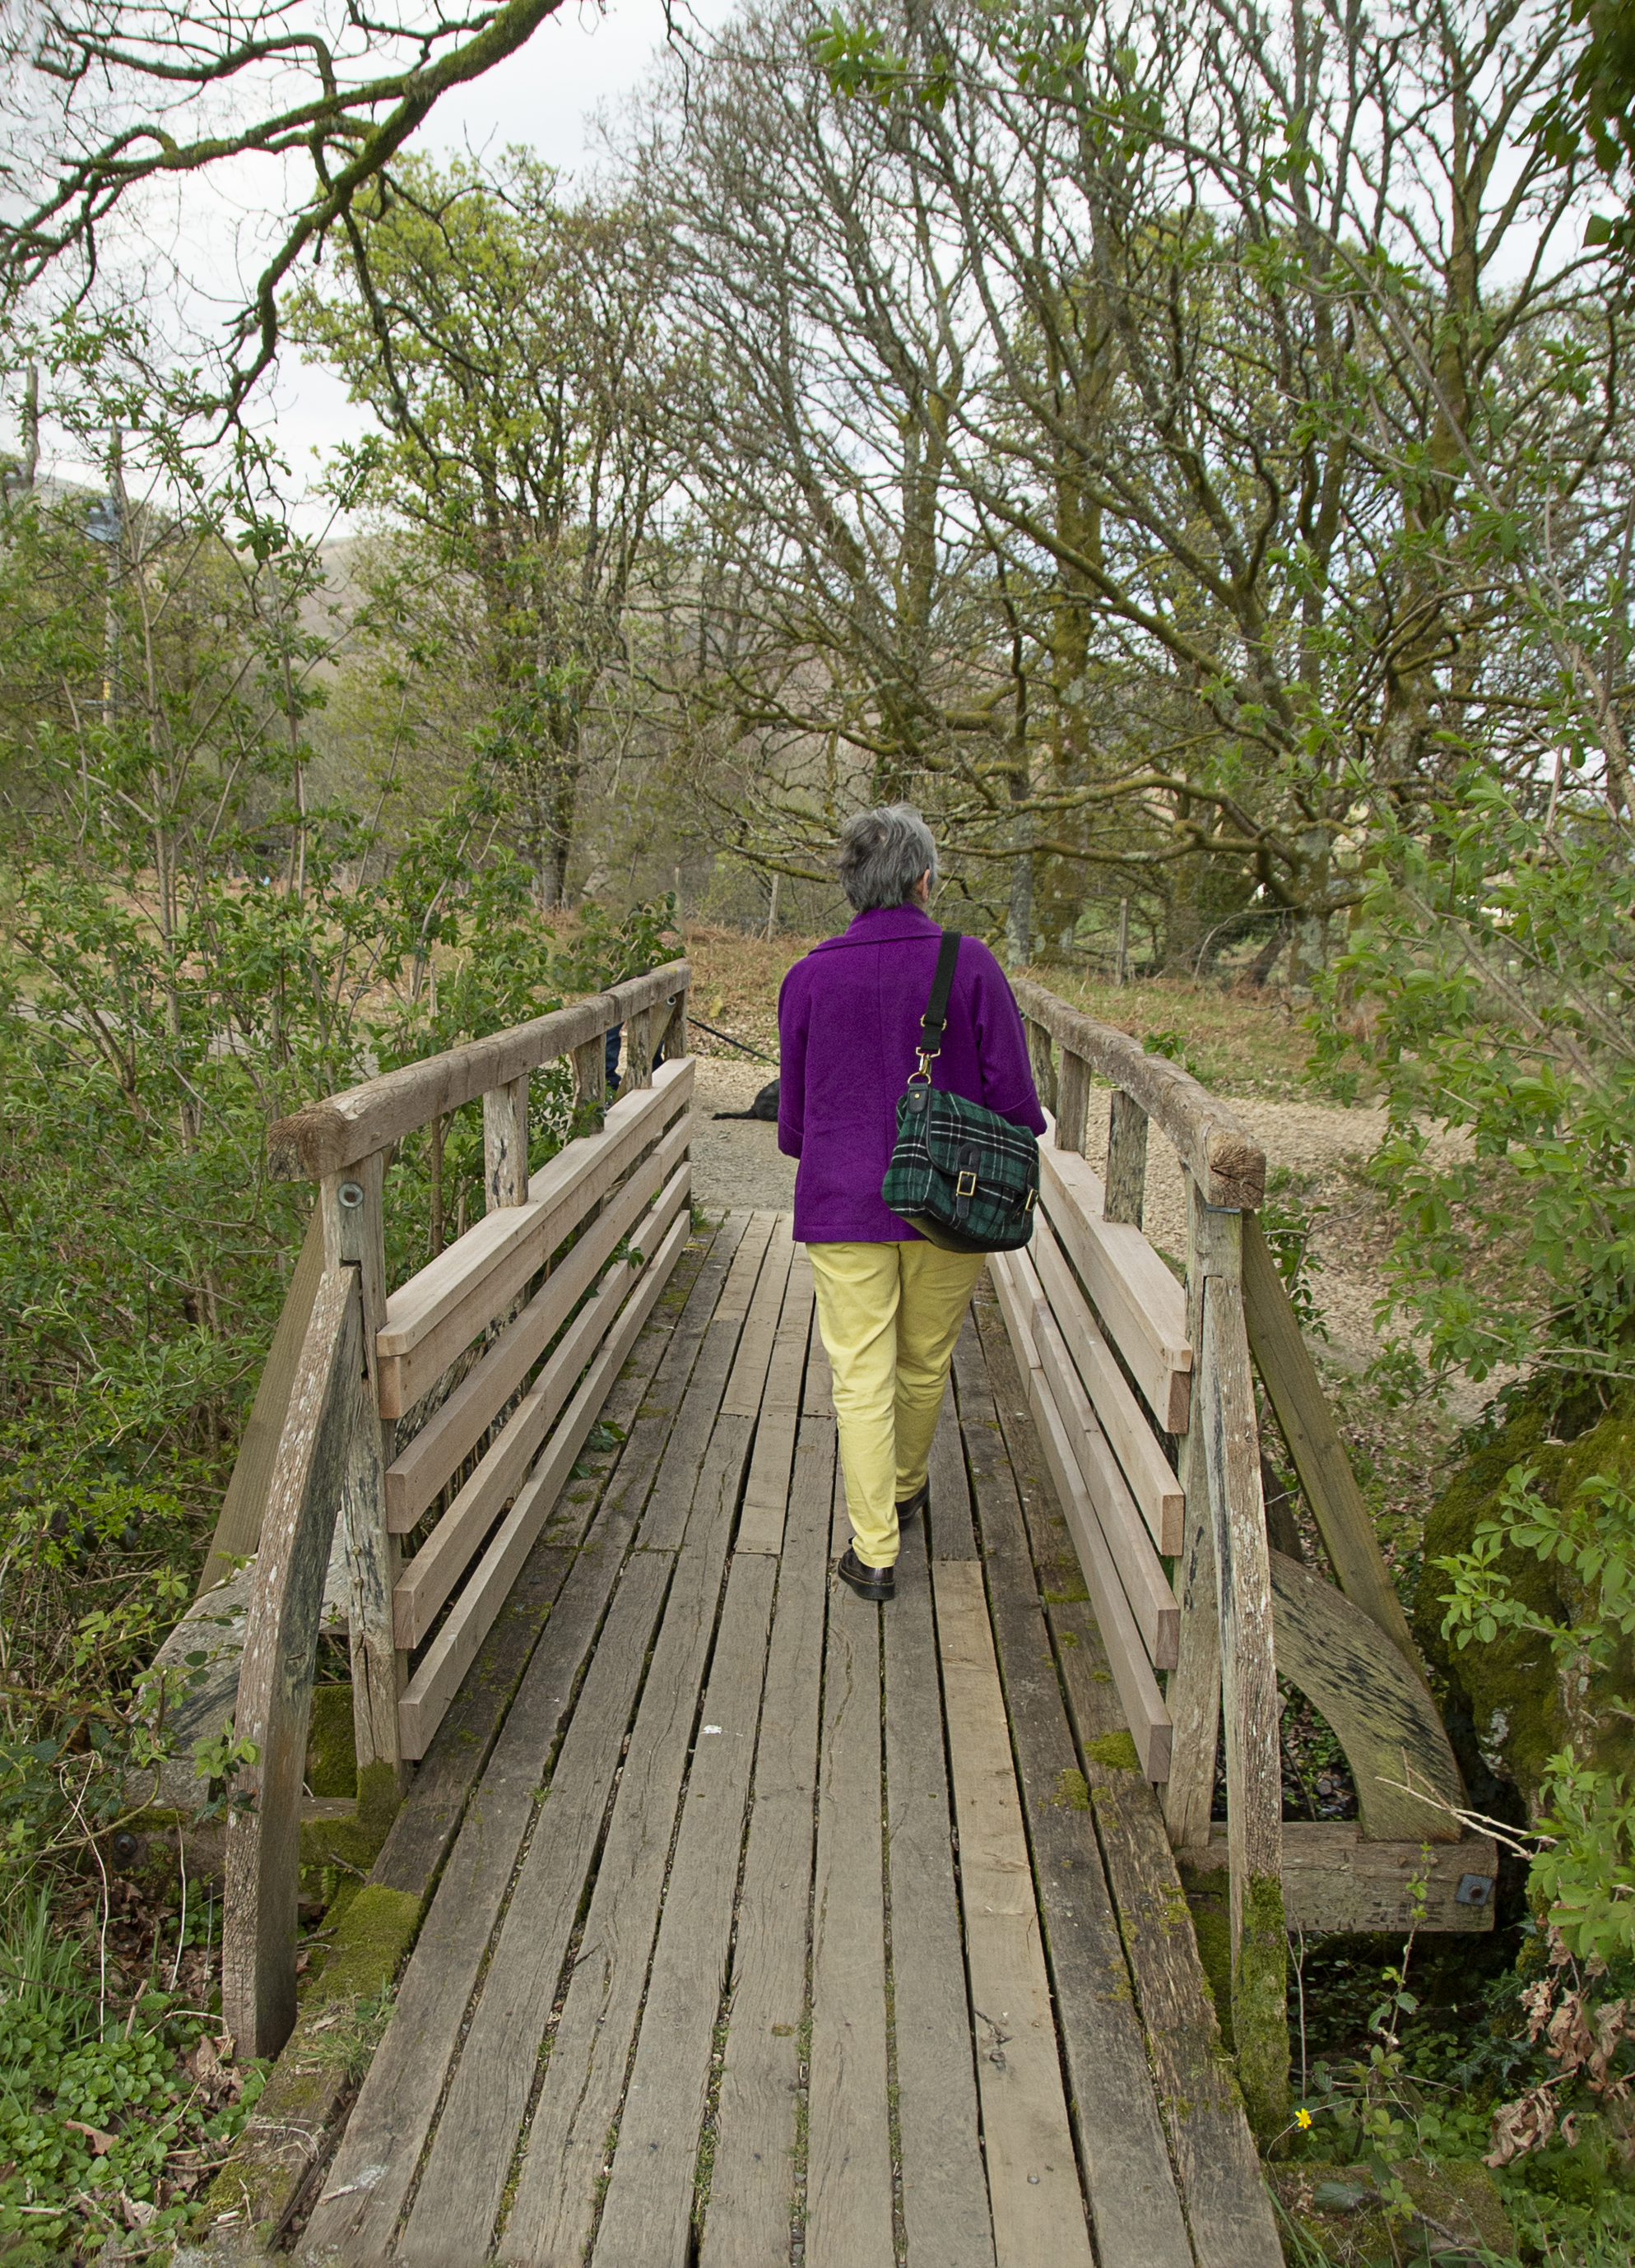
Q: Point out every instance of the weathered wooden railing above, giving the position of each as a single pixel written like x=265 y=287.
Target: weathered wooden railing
x=503 y=1347
x=1143 y=1391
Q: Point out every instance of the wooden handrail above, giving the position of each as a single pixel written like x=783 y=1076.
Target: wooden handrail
x=325 y=1137
x=1222 y=1156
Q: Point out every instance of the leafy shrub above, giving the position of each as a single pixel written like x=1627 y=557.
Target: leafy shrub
x=1585 y=1867
x=103 y=2130
x=1494 y=950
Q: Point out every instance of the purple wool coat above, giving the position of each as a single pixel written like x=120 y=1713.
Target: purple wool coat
x=848 y=1025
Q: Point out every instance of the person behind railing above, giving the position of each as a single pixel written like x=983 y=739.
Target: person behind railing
x=637 y=965
x=889 y=1304
x=610 y=1057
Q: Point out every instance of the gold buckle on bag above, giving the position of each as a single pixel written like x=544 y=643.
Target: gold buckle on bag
x=960 y=1187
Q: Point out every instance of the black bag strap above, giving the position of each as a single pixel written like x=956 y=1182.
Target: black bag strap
x=934 y=1021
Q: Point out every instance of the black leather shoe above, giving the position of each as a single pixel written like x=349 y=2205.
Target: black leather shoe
x=876 y=1583
x=911 y=1507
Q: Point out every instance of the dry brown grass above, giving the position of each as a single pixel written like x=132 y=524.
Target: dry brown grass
x=1237 y=1043
x=736 y=984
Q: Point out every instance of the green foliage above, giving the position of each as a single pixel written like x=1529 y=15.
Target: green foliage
x=1288 y=1228
x=1584 y=1874
x=1593 y=112
x=1497 y=954
x=516 y=394
x=1397 y=2099
x=606 y=951
x=1172 y=1045
x=1585 y=1862
x=190 y=947
x=858 y=61
x=217 y=1762
x=108 y=2126
x=1593 y=1535
x=1495 y=949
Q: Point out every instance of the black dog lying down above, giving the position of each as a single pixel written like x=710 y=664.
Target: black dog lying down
x=764 y=1106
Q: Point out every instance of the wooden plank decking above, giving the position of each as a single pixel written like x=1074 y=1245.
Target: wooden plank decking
x=777 y=1928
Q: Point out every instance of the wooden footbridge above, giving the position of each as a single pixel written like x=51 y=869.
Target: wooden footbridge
x=760 y=1924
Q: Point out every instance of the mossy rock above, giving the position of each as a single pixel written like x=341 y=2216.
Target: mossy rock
x=331 y=1754
x=1504 y=1713
x=1332 y=2206
x=1463 y=2196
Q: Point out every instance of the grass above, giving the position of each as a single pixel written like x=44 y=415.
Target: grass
x=1237 y=1043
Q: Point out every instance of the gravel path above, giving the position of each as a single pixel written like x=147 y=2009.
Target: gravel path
x=739 y=1163
x=1323 y=1146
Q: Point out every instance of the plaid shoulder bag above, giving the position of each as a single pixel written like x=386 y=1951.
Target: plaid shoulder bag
x=966 y=1178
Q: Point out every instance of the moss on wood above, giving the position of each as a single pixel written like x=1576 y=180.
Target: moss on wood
x=255 y=2193
x=331 y=1754
x=1260 y=2006
x=1212 y=1926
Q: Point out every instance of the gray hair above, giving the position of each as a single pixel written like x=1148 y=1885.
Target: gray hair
x=882 y=855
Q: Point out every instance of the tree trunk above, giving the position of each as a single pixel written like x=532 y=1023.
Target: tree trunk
x=1018 y=916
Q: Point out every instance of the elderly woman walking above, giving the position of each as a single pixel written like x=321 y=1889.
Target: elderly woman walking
x=889 y=1304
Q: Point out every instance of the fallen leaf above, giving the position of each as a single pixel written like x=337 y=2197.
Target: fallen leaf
x=101 y=2142
x=209 y=2063
x=1524 y=2125
x=1342 y=2196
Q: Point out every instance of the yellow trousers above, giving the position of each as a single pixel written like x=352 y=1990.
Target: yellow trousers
x=889 y=1314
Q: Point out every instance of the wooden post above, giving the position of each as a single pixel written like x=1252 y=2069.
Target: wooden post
x=675 y=1044
x=506 y=1144
x=1193 y=1691
x=1126 y=1158
x=1123 y=941
x=1230 y=1440
x=263 y=1858
x=640 y=1033
x=1043 y=1066
x=1073 y=1104
x=351 y=1204
x=590 y=1083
